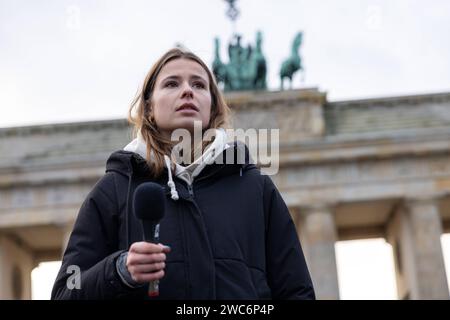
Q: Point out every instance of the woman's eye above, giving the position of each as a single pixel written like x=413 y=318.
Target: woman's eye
x=171 y=84
x=199 y=85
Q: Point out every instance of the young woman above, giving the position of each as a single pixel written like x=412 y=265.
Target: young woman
x=226 y=232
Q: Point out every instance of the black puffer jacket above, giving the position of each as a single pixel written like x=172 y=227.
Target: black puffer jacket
x=231 y=236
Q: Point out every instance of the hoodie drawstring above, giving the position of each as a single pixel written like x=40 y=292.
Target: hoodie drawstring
x=170 y=183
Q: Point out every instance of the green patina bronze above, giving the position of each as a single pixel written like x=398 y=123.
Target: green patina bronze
x=293 y=63
x=246 y=69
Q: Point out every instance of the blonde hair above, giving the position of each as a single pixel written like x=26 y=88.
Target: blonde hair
x=140 y=114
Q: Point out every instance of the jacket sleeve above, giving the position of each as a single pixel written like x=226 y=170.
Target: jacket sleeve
x=92 y=249
x=287 y=272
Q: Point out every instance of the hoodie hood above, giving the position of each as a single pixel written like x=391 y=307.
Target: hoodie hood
x=190 y=172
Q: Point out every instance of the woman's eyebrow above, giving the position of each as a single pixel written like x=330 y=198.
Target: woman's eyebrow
x=176 y=77
x=171 y=78
x=196 y=77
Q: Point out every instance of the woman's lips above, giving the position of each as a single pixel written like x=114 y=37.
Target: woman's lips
x=187 y=110
x=187 y=106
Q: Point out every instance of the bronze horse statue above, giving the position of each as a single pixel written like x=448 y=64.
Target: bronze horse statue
x=293 y=63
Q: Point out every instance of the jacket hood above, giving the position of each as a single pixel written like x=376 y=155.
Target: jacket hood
x=220 y=158
x=186 y=173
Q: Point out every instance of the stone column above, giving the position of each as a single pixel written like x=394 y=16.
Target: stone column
x=317 y=232
x=16 y=264
x=414 y=233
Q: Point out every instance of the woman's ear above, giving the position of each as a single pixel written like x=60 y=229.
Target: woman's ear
x=149 y=112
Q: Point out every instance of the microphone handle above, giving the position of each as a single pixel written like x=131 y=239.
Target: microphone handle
x=153 y=286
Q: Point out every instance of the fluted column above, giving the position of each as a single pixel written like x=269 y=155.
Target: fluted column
x=16 y=264
x=318 y=235
x=415 y=234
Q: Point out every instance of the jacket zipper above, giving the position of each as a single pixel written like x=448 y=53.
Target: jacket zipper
x=191 y=190
x=191 y=186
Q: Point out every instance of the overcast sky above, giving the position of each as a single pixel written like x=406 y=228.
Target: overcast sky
x=64 y=61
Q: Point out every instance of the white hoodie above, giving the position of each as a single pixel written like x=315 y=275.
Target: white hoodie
x=191 y=171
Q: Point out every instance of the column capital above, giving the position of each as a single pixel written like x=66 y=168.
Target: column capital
x=423 y=199
x=309 y=208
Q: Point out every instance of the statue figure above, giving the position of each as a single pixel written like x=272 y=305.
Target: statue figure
x=246 y=69
x=218 y=68
x=247 y=72
x=260 y=67
x=293 y=63
x=234 y=79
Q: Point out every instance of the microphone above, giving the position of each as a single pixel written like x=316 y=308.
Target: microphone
x=149 y=206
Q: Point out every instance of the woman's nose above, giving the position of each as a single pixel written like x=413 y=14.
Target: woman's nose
x=187 y=91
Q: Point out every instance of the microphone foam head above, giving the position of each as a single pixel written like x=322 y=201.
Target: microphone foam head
x=149 y=201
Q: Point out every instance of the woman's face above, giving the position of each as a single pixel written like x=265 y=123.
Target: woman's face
x=181 y=96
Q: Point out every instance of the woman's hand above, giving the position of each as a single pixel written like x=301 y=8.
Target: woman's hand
x=146 y=261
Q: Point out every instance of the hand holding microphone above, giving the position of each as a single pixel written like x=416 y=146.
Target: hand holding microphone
x=146 y=259
x=146 y=263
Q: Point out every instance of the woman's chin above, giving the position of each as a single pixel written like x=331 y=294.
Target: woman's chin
x=188 y=124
